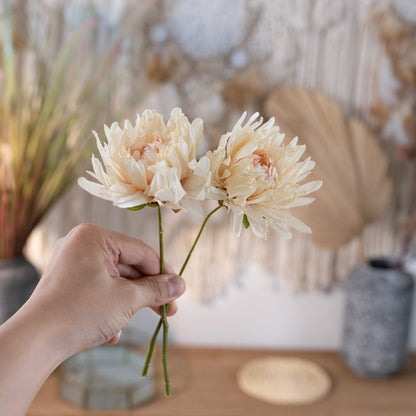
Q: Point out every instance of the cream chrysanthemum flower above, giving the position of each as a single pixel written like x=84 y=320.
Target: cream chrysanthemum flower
x=257 y=177
x=151 y=162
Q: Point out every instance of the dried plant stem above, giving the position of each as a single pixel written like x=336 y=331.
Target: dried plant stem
x=163 y=320
x=43 y=112
x=363 y=255
x=409 y=234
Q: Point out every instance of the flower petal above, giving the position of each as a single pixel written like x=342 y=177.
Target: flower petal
x=95 y=188
x=132 y=200
x=298 y=225
x=237 y=221
x=193 y=207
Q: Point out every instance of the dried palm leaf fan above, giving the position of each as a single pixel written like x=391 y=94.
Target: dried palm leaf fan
x=348 y=158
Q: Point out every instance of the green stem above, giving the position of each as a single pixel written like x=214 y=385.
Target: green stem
x=197 y=239
x=163 y=320
x=151 y=348
x=161 y=260
x=159 y=325
x=163 y=309
x=165 y=350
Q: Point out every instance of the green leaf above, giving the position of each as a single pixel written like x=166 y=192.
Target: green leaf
x=245 y=221
x=138 y=208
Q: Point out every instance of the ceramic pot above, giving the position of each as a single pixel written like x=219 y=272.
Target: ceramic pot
x=377 y=319
x=18 y=279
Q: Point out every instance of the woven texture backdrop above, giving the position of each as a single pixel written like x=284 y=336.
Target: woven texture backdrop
x=328 y=45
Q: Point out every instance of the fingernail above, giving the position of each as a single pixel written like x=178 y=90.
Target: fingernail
x=176 y=286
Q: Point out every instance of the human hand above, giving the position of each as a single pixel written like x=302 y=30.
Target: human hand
x=97 y=280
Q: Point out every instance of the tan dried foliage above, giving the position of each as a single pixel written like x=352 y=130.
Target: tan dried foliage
x=349 y=161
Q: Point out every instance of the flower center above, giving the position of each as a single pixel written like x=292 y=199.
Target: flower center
x=262 y=159
x=148 y=152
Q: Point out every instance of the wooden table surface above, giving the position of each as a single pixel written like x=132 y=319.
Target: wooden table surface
x=204 y=384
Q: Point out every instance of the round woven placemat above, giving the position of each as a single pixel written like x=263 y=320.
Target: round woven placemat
x=280 y=380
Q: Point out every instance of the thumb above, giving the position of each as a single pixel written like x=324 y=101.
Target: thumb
x=159 y=290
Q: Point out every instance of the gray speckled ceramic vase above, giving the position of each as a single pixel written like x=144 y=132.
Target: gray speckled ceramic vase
x=377 y=319
x=18 y=279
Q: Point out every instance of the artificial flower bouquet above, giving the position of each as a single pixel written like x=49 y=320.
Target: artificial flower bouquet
x=253 y=174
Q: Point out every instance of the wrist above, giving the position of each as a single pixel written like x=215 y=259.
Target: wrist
x=31 y=347
x=47 y=329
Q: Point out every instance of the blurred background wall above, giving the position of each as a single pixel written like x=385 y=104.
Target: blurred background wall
x=211 y=58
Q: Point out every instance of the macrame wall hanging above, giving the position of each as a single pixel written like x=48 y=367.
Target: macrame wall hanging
x=214 y=71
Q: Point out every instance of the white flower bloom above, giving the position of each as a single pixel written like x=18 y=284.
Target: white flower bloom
x=151 y=162
x=256 y=175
